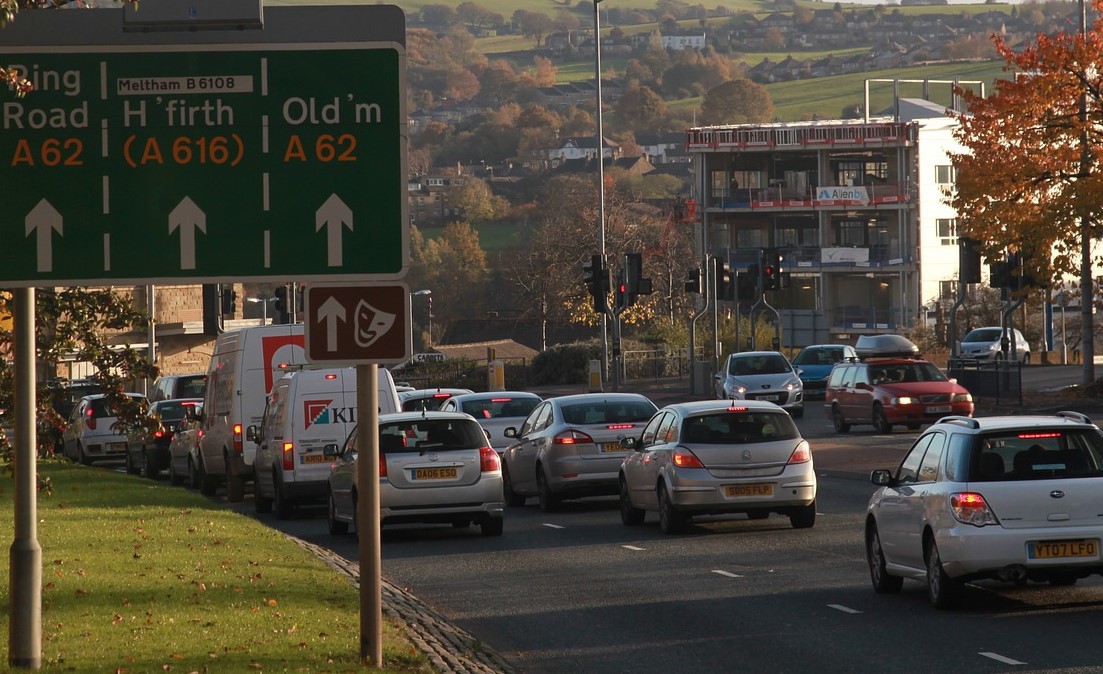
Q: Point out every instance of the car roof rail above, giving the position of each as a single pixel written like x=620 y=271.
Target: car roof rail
x=968 y=422
x=1075 y=416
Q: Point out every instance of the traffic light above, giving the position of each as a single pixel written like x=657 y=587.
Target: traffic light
x=693 y=280
x=596 y=277
x=621 y=292
x=280 y=309
x=771 y=269
x=783 y=279
x=725 y=286
x=999 y=274
x=968 y=260
x=212 y=316
x=229 y=301
x=633 y=278
x=747 y=283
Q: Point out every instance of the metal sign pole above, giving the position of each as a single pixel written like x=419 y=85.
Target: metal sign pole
x=367 y=515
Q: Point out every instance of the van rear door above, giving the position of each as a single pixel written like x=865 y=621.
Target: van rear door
x=323 y=413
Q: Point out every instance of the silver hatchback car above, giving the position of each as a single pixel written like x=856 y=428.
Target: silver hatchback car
x=433 y=467
x=570 y=447
x=716 y=457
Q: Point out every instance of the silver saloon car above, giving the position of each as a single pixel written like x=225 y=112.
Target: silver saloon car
x=570 y=447
x=718 y=457
x=434 y=467
x=761 y=375
x=495 y=411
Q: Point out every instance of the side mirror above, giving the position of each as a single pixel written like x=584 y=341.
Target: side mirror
x=251 y=433
x=800 y=372
x=510 y=432
x=629 y=443
x=881 y=478
x=332 y=451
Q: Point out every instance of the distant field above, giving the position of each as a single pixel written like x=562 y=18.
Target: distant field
x=493 y=237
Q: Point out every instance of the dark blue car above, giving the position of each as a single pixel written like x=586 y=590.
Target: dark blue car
x=814 y=365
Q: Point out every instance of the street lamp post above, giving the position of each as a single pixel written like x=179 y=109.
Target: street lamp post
x=263 y=301
x=428 y=295
x=600 y=179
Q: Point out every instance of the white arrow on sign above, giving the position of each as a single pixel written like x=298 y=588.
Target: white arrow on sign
x=187 y=216
x=332 y=215
x=330 y=313
x=44 y=219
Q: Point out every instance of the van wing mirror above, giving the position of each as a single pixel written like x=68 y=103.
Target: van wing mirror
x=251 y=433
x=332 y=451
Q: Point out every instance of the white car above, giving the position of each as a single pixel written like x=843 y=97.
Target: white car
x=92 y=434
x=761 y=375
x=495 y=411
x=986 y=345
x=1014 y=499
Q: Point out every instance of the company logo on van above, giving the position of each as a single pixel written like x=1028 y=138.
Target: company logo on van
x=320 y=412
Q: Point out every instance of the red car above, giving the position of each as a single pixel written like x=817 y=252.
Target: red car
x=884 y=392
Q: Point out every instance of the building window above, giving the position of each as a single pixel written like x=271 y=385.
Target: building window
x=947 y=290
x=944 y=174
x=861 y=172
x=946 y=229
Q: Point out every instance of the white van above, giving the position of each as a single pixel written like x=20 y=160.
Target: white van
x=244 y=366
x=306 y=411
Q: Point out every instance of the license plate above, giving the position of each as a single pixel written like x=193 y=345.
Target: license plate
x=314 y=458
x=611 y=447
x=770 y=399
x=1062 y=549
x=434 y=473
x=749 y=490
x=116 y=447
x=939 y=409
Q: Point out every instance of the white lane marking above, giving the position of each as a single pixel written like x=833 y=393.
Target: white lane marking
x=729 y=574
x=844 y=609
x=999 y=658
x=553 y=526
x=632 y=547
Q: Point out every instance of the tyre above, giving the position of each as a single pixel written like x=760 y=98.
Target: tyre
x=174 y=477
x=913 y=427
x=132 y=468
x=549 y=502
x=758 y=514
x=147 y=468
x=880 y=421
x=803 y=517
x=281 y=505
x=235 y=485
x=512 y=498
x=492 y=526
x=82 y=457
x=883 y=583
x=796 y=413
x=262 y=504
x=944 y=591
x=671 y=520
x=461 y=524
x=195 y=479
x=629 y=514
x=1026 y=358
x=336 y=527
x=208 y=484
x=838 y=421
x=1062 y=580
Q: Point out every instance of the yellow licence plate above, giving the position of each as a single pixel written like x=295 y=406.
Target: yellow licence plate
x=1062 y=549
x=434 y=473
x=116 y=446
x=315 y=458
x=749 y=490
x=611 y=447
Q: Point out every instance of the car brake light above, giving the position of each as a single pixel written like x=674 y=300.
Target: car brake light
x=442 y=395
x=1036 y=436
x=289 y=456
x=501 y=400
x=330 y=376
x=489 y=460
x=158 y=433
x=683 y=458
x=90 y=418
x=802 y=454
x=971 y=508
x=572 y=437
x=620 y=427
x=382 y=465
x=238 y=446
x=737 y=409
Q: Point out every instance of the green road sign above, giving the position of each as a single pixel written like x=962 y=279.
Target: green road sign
x=213 y=155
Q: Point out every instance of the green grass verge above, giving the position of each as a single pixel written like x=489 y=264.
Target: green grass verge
x=143 y=577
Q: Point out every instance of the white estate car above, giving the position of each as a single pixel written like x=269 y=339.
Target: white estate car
x=1013 y=498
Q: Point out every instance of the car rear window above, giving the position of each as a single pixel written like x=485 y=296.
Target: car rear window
x=897 y=373
x=191 y=387
x=1037 y=454
x=739 y=428
x=493 y=408
x=174 y=411
x=438 y=435
x=824 y=356
x=607 y=412
x=983 y=335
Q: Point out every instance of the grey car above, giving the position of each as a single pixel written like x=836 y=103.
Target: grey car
x=495 y=411
x=435 y=467
x=718 y=457
x=570 y=447
x=986 y=345
x=761 y=375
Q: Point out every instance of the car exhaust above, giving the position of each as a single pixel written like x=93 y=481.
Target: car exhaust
x=1013 y=574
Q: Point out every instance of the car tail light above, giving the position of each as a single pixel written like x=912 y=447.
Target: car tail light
x=802 y=454
x=382 y=465
x=330 y=376
x=488 y=460
x=160 y=432
x=971 y=508
x=572 y=437
x=289 y=456
x=683 y=458
x=90 y=418
x=238 y=446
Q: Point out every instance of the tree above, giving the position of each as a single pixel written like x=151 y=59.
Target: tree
x=476 y=201
x=639 y=108
x=737 y=102
x=1030 y=177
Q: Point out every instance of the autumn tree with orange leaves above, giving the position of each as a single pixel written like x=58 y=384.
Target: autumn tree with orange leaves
x=1031 y=179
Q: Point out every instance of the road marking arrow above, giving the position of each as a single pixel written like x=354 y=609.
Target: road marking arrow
x=329 y=313
x=44 y=219
x=332 y=214
x=187 y=216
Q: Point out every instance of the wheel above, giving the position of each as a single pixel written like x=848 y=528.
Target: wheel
x=880 y=421
x=148 y=469
x=1062 y=580
x=944 y=591
x=492 y=526
x=803 y=517
x=758 y=514
x=235 y=485
x=461 y=524
x=336 y=528
x=629 y=514
x=883 y=583
x=549 y=502
x=174 y=477
x=208 y=484
x=913 y=427
x=671 y=521
x=195 y=479
x=281 y=505
x=839 y=422
x=512 y=498
x=82 y=457
x=131 y=467
x=261 y=504
x=796 y=413
x=356 y=514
